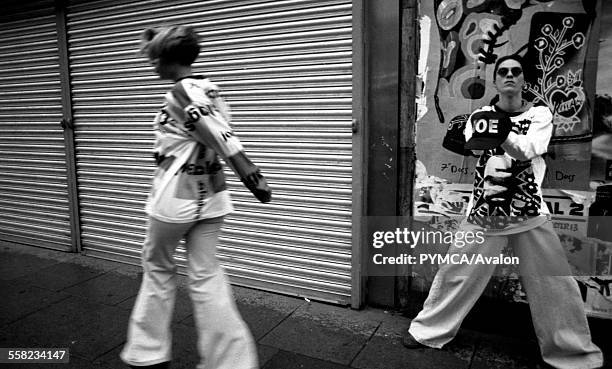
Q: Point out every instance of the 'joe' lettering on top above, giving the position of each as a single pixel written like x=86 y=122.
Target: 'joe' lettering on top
x=483 y=125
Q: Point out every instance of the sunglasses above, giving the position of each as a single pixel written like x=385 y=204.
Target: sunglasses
x=516 y=71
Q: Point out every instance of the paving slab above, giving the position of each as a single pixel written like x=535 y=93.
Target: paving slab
x=391 y=325
x=184 y=351
x=388 y=353
x=281 y=303
x=20 y=299
x=385 y=350
x=57 y=255
x=494 y=364
x=103 y=264
x=262 y=311
x=265 y=353
x=110 y=359
x=62 y=275
x=361 y=322
x=109 y=288
x=15 y=264
x=496 y=352
x=261 y=320
x=321 y=331
x=289 y=360
x=88 y=329
x=127 y=304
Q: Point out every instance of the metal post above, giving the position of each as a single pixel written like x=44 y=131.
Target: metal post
x=382 y=36
x=67 y=124
x=408 y=70
x=358 y=270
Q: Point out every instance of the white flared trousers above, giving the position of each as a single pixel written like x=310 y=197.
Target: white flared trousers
x=224 y=340
x=554 y=298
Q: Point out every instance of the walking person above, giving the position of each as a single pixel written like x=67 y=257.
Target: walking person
x=188 y=200
x=506 y=204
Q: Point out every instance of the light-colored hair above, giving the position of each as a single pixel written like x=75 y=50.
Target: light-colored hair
x=171 y=44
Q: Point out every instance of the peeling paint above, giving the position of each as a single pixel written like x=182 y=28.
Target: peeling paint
x=584 y=198
x=425 y=29
x=421 y=100
x=385 y=144
x=434 y=197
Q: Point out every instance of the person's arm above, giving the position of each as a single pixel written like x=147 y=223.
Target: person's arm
x=200 y=117
x=535 y=142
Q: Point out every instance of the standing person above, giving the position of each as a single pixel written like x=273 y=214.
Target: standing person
x=188 y=201
x=506 y=204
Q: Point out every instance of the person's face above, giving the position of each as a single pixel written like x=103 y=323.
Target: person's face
x=164 y=69
x=509 y=77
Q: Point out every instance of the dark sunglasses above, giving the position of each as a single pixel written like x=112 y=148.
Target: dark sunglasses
x=516 y=71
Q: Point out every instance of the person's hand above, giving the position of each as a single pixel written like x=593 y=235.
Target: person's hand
x=257 y=184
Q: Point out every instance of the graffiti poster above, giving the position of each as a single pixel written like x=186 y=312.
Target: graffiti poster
x=460 y=43
x=556 y=49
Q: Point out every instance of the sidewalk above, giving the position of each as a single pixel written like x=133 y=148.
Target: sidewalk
x=56 y=299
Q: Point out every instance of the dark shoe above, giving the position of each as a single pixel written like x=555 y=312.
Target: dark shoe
x=410 y=342
x=164 y=365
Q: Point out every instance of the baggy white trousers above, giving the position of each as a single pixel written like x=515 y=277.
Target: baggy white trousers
x=554 y=298
x=224 y=340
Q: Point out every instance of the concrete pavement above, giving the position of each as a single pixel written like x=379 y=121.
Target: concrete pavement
x=56 y=299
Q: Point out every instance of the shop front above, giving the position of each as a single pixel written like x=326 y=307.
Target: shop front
x=77 y=109
x=34 y=179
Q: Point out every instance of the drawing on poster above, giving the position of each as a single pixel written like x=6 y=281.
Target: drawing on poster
x=470 y=33
x=473 y=33
x=562 y=92
x=553 y=45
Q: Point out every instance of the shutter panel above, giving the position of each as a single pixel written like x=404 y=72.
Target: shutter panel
x=33 y=181
x=285 y=68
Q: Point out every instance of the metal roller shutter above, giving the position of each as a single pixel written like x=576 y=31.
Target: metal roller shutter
x=33 y=180
x=285 y=68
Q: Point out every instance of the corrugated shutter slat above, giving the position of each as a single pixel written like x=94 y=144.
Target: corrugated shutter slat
x=33 y=181
x=286 y=69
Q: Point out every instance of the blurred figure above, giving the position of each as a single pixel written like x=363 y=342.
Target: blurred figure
x=188 y=201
